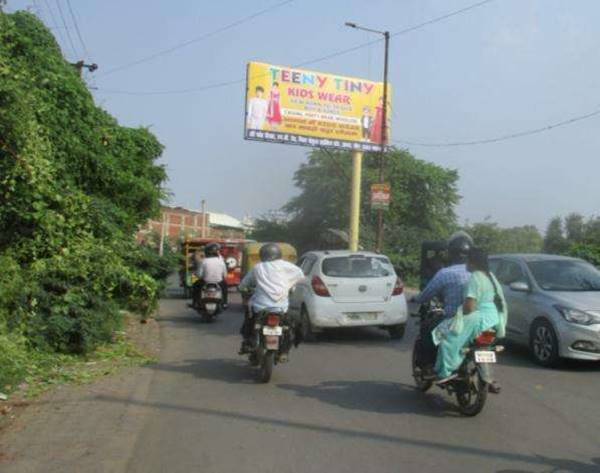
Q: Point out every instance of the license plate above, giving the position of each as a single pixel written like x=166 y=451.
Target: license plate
x=485 y=357
x=272 y=330
x=211 y=306
x=362 y=315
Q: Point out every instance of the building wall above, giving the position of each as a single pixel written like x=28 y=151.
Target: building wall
x=180 y=223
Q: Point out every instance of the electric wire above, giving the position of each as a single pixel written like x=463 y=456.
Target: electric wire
x=77 y=30
x=59 y=30
x=305 y=63
x=197 y=39
x=510 y=136
x=68 y=31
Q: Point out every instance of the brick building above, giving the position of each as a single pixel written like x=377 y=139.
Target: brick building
x=178 y=223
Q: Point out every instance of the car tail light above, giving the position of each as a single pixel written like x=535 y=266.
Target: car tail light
x=398 y=288
x=485 y=339
x=319 y=287
x=273 y=320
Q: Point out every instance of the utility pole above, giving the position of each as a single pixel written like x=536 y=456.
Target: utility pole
x=79 y=65
x=384 y=133
x=355 y=200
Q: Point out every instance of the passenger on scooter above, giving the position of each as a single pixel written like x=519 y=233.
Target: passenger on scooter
x=484 y=309
x=212 y=270
x=271 y=280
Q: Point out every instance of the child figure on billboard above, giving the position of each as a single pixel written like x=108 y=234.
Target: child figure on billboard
x=274 y=110
x=366 y=123
x=378 y=123
x=257 y=110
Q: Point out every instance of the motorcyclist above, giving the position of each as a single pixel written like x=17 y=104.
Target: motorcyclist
x=271 y=280
x=212 y=270
x=448 y=285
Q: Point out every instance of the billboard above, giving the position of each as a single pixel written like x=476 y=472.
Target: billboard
x=296 y=106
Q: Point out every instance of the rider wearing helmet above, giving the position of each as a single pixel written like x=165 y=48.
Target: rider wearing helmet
x=212 y=270
x=448 y=284
x=271 y=280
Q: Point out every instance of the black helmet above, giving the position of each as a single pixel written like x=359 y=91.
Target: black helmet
x=270 y=252
x=459 y=245
x=212 y=249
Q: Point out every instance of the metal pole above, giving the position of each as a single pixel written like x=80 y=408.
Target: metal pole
x=204 y=219
x=355 y=200
x=386 y=34
x=161 y=248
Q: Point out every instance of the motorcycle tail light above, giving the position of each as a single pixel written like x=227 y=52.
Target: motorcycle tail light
x=398 y=288
x=273 y=320
x=485 y=339
x=319 y=287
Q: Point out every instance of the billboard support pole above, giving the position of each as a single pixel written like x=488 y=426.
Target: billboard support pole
x=355 y=199
x=384 y=137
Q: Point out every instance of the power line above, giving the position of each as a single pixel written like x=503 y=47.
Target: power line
x=62 y=16
x=78 y=31
x=60 y=33
x=195 y=40
x=510 y=136
x=305 y=63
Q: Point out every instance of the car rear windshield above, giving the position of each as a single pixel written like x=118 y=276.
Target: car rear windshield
x=357 y=267
x=565 y=275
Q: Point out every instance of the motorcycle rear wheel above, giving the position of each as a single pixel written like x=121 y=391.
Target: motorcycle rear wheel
x=471 y=394
x=266 y=367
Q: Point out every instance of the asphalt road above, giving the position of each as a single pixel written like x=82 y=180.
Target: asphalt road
x=344 y=404
x=347 y=404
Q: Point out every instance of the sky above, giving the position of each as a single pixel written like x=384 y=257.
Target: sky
x=503 y=67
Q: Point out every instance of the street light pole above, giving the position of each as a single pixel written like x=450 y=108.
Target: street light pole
x=384 y=131
x=386 y=35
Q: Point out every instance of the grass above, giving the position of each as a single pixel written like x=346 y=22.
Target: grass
x=43 y=370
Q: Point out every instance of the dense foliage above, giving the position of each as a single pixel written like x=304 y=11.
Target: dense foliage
x=495 y=239
x=74 y=186
x=575 y=236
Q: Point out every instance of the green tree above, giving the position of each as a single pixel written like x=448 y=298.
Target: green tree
x=554 y=240
x=495 y=239
x=574 y=228
x=423 y=201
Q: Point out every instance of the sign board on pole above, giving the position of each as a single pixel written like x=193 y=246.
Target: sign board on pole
x=296 y=106
x=380 y=196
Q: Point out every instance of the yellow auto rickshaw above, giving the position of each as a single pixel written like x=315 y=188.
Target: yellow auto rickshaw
x=250 y=255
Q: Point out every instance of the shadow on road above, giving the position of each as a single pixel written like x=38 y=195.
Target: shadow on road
x=560 y=465
x=574 y=465
x=376 y=396
x=218 y=369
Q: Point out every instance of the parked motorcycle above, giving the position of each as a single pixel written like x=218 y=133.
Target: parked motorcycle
x=211 y=302
x=272 y=339
x=470 y=386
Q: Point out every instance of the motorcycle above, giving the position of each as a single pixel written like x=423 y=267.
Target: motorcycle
x=271 y=341
x=211 y=302
x=470 y=386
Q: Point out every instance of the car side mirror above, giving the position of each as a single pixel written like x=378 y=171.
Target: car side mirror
x=520 y=286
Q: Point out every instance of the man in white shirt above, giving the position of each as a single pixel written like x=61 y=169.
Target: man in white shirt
x=257 y=110
x=213 y=271
x=271 y=280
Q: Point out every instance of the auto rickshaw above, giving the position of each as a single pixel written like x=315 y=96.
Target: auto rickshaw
x=193 y=254
x=434 y=256
x=251 y=256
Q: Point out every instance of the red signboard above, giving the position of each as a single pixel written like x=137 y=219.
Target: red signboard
x=380 y=196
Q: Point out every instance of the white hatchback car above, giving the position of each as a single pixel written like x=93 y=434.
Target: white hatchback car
x=349 y=289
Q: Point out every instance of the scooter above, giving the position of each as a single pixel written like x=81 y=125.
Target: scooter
x=271 y=342
x=470 y=386
x=211 y=302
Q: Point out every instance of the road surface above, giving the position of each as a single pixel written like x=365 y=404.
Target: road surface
x=344 y=404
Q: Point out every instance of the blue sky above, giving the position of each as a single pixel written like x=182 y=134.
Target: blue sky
x=506 y=66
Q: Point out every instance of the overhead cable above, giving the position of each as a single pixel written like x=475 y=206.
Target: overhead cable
x=507 y=137
x=195 y=40
x=304 y=63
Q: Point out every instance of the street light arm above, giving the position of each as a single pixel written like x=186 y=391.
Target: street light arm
x=370 y=30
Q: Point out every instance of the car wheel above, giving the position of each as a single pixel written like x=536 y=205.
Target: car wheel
x=543 y=343
x=308 y=335
x=396 y=331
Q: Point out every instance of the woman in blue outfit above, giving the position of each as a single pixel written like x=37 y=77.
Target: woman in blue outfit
x=484 y=309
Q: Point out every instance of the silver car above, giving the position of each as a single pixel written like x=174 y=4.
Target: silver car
x=553 y=303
